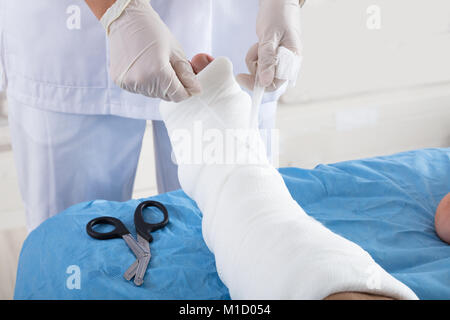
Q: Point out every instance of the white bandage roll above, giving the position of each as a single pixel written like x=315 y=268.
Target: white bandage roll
x=288 y=65
x=265 y=245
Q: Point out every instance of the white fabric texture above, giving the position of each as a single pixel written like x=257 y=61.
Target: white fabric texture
x=167 y=169
x=288 y=65
x=113 y=13
x=287 y=68
x=265 y=245
x=63 y=159
x=58 y=75
x=2 y=48
x=74 y=77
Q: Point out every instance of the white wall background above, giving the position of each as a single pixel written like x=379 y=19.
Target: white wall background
x=342 y=56
x=365 y=92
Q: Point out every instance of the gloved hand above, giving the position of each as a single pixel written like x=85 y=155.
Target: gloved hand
x=277 y=24
x=145 y=57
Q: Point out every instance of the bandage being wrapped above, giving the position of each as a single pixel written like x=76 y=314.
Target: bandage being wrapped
x=265 y=245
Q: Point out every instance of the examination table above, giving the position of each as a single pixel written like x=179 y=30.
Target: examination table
x=384 y=204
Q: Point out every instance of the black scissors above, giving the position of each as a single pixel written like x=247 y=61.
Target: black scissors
x=141 y=247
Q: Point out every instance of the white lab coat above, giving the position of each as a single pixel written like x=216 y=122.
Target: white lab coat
x=56 y=55
x=54 y=62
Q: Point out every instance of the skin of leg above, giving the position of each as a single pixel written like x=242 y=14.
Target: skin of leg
x=199 y=62
x=442 y=219
x=355 y=296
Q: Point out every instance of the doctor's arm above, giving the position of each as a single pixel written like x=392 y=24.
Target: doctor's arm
x=145 y=56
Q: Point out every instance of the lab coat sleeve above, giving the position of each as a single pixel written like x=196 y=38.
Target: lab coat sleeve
x=2 y=75
x=2 y=50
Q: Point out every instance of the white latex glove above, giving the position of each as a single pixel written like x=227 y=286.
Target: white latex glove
x=145 y=56
x=277 y=24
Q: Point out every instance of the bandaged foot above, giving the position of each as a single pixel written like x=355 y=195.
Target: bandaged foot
x=265 y=245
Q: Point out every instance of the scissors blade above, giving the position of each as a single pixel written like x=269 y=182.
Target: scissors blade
x=139 y=266
x=141 y=269
x=143 y=262
x=137 y=270
x=131 y=271
x=145 y=245
x=137 y=249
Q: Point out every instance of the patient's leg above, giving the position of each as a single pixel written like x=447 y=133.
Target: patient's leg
x=265 y=245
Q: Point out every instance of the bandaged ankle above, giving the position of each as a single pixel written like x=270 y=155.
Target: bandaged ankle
x=265 y=245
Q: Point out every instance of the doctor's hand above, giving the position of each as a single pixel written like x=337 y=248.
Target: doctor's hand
x=146 y=58
x=277 y=24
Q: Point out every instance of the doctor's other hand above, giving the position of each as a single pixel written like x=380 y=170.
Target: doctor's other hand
x=277 y=24
x=146 y=58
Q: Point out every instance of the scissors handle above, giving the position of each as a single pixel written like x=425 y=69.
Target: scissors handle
x=143 y=228
x=119 y=228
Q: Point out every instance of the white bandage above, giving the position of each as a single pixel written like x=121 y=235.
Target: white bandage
x=265 y=245
x=288 y=65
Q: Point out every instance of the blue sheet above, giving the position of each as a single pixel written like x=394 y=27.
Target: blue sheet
x=385 y=204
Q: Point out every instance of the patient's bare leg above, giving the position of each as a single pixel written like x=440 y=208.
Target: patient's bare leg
x=265 y=245
x=442 y=219
x=356 y=296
